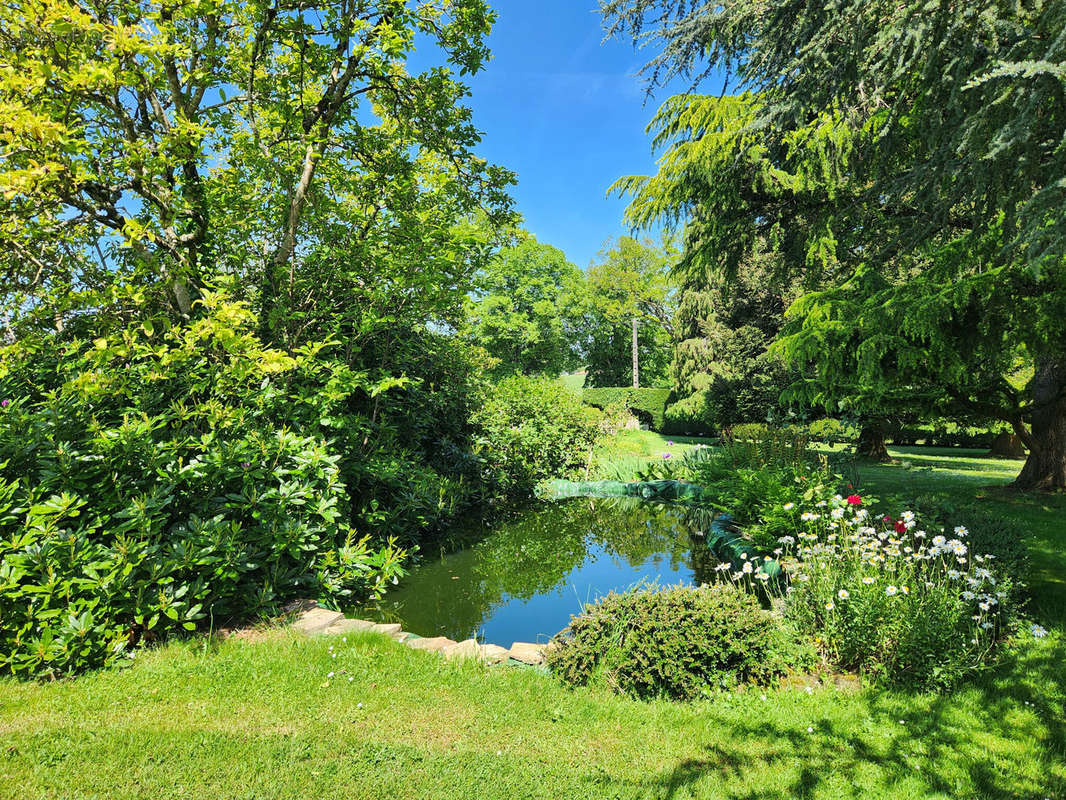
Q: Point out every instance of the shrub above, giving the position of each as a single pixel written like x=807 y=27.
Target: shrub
x=680 y=643
x=147 y=486
x=832 y=431
x=532 y=429
x=899 y=603
x=648 y=405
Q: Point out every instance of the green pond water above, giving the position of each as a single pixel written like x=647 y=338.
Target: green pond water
x=523 y=578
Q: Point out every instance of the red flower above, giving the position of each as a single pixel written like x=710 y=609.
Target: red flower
x=901 y=527
x=854 y=500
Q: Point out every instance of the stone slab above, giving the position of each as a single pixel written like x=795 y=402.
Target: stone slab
x=348 y=626
x=388 y=628
x=465 y=649
x=527 y=653
x=493 y=653
x=433 y=645
x=316 y=620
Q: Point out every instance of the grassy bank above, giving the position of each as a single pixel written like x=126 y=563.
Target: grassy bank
x=258 y=720
x=263 y=719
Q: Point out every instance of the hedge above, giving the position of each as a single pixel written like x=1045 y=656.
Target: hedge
x=647 y=405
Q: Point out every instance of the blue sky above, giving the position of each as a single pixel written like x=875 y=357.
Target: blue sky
x=567 y=113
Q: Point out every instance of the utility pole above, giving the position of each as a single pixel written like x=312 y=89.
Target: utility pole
x=636 y=365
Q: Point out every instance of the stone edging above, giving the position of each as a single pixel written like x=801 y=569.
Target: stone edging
x=317 y=621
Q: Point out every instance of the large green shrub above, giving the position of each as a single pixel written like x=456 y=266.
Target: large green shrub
x=681 y=643
x=531 y=429
x=149 y=483
x=648 y=405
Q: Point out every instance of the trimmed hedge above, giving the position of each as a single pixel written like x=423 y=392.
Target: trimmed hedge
x=647 y=405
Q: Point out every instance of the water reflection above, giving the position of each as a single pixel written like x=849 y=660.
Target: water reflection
x=523 y=578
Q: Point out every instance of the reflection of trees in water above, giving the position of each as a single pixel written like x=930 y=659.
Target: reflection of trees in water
x=532 y=554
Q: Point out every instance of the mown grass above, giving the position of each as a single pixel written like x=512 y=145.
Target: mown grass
x=244 y=719
x=262 y=720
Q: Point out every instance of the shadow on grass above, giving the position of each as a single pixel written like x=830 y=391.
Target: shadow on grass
x=963 y=745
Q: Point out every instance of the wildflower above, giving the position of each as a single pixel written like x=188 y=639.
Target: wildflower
x=868 y=580
x=987 y=626
x=1038 y=631
x=905 y=589
x=330 y=675
x=789 y=506
x=901 y=526
x=837 y=513
x=854 y=500
x=747 y=568
x=5 y=403
x=666 y=455
x=762 y=576
x=891 y=591
x=829 y=606
x=968 y=595
x=960 y=531
x=843 y=594
x=787 y=540
x=669 y=443
x=939 y=541
x=722 y=567
x=907 y=516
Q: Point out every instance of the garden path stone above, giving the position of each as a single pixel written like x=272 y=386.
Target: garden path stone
x=316 y=620
x=464 y=650
x=433 y=644
x=527 y=653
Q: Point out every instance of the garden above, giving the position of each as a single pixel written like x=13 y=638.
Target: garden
x=766 y=501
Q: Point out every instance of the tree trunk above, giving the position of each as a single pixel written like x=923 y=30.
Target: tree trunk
x=1007 y=445
x=872 y=443
x=636 y=357
x=1046 y=466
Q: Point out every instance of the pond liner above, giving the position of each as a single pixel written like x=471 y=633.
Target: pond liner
x=724 y=538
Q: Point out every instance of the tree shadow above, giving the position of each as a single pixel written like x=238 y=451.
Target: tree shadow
x=964 y=744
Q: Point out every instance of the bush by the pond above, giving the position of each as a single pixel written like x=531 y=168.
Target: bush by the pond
x=531 y=429
x=681 y=643
x=887 y=597
x=148 y=485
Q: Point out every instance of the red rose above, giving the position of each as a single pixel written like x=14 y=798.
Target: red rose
x=854 y=500
x=901 y=527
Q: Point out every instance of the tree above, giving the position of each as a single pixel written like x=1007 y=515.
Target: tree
x=159 y=146
x=908 y=162
x=527 y=310
x=630 y=282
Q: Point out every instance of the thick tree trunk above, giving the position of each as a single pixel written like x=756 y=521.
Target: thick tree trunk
x=1046 y=466
x=872 y=443
x=1007 y=445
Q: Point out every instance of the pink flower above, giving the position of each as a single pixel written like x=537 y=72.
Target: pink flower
x=854 y=500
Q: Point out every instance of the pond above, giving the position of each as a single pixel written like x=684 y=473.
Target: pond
x=522 y=579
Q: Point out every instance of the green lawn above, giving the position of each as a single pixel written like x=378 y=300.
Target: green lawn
x=244 y=719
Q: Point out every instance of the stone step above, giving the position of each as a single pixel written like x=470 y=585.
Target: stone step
x=387 y=628
x=493 y=653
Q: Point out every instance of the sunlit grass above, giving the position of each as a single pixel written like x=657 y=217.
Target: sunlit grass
x=246 y=720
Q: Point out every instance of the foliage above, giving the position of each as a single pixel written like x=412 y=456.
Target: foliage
x=681 y=643
x=163 y=146
x=886 y=597
x=916 y=189
x=722 y=372
x=832 y=431
x=149 y=483
x=630 y=282
x=528 y=310
x=648 y=405
x=531 y=429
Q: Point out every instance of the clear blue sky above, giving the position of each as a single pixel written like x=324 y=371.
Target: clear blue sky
x=567 y=113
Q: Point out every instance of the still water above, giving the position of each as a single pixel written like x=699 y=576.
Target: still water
x=523 y=578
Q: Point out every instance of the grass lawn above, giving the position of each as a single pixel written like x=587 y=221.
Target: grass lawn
x=261 y=719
